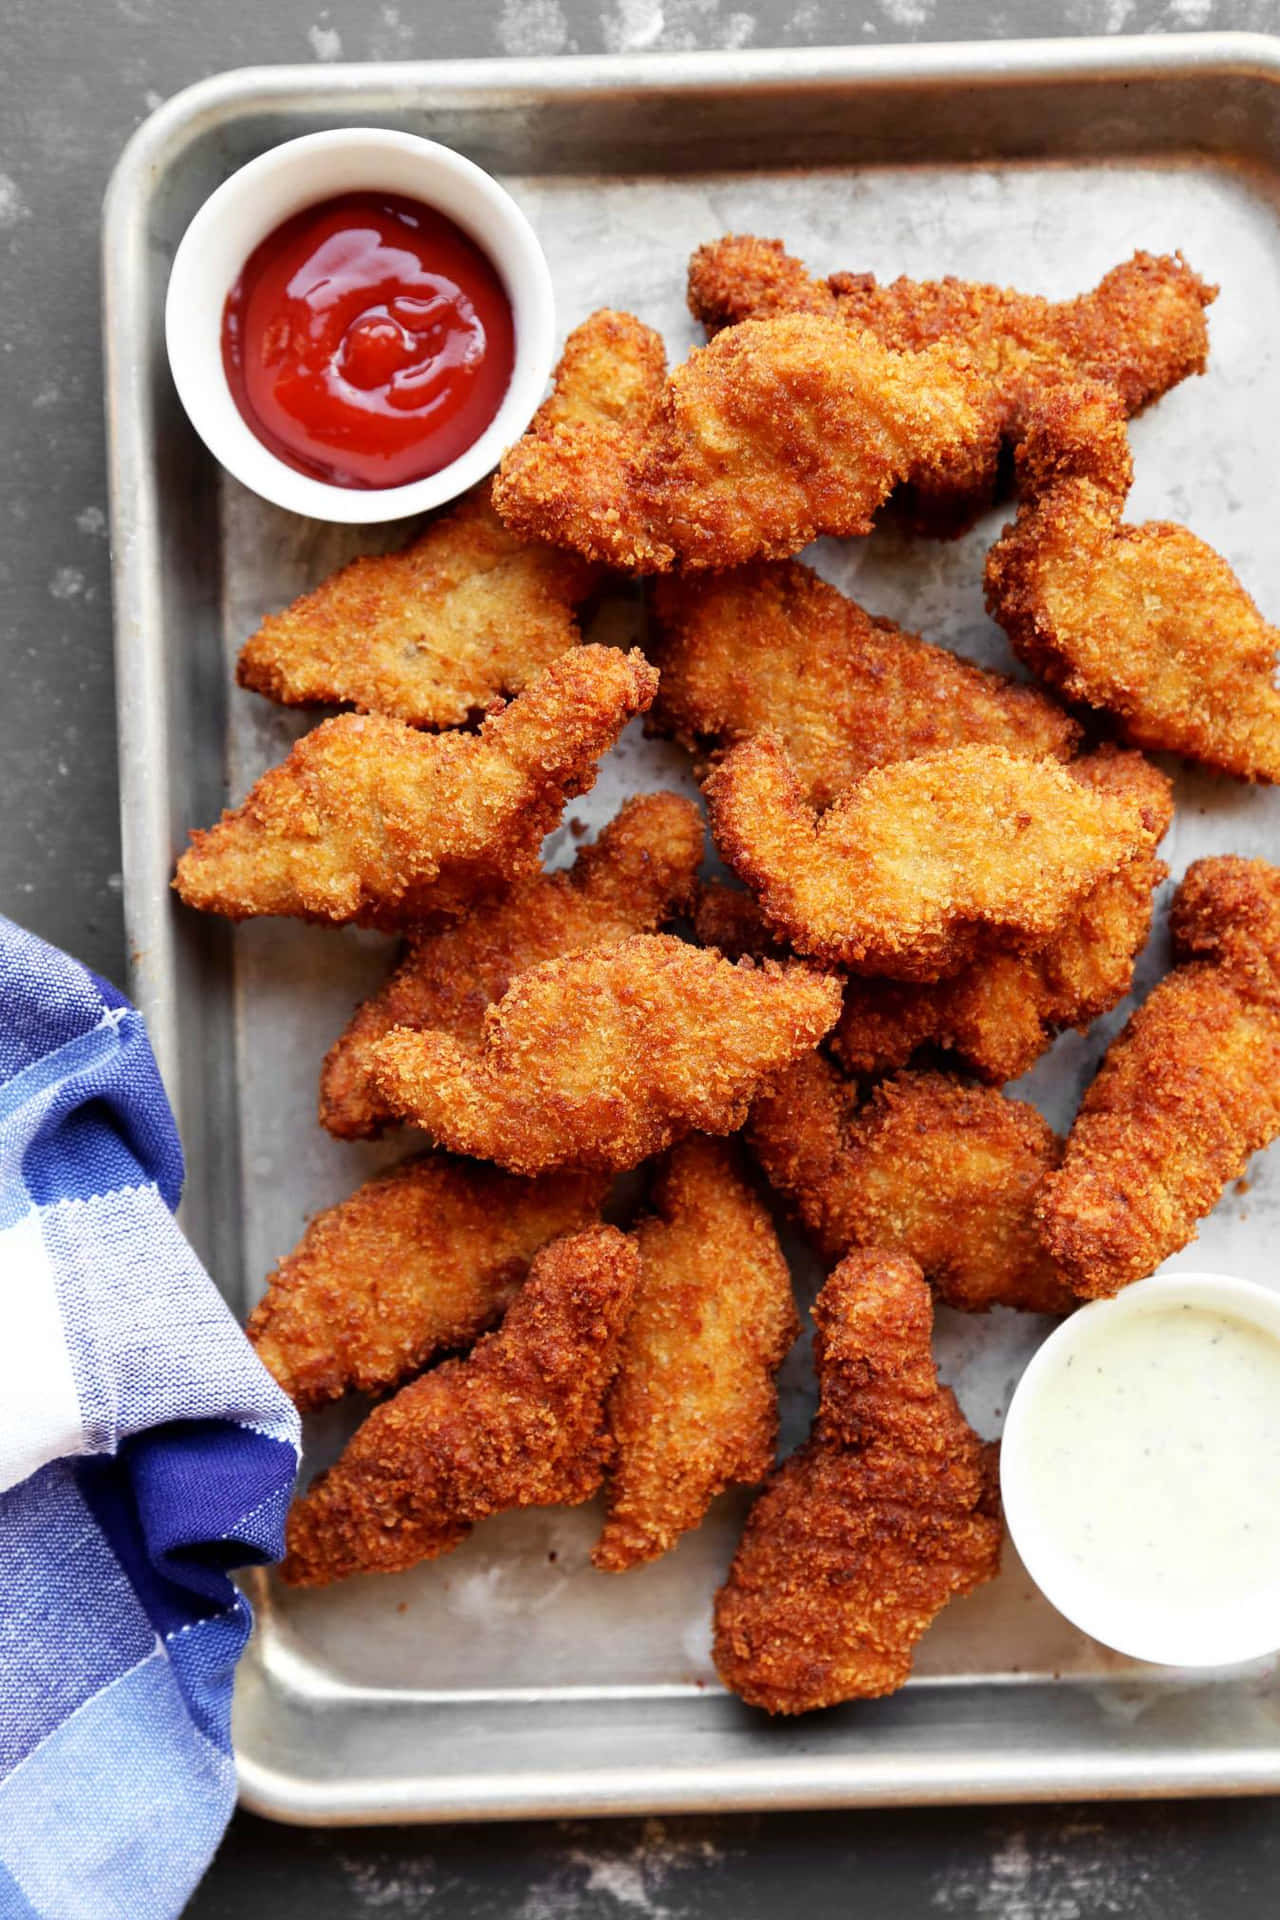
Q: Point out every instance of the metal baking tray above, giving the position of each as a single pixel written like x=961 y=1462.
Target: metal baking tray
x=509 y=1679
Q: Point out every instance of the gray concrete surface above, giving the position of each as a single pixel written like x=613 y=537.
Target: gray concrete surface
x=74 y=82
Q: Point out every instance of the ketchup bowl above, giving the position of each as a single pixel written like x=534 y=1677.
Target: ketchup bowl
x=243 y=233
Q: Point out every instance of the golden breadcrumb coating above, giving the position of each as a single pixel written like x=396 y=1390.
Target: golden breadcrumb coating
x=418 y=1260
x=431 y=634
x=1145 y=622
x=694 y=1407
x=944 y=1171
x=518 y=1423
x=923 y=864
x=773 y=646
x=639 y=873
x=608 y=1055
x=730 y=919
x=778 y=431
x=368 y=820
x=1184 y=1096
x=889 y=1510
x=1000 y=1013
x=1141 y=329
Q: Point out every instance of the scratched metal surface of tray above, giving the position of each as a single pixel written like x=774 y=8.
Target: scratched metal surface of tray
x=508 y=1678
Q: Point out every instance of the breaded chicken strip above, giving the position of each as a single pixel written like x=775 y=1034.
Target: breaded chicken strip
x=418 y=1260
x=1145 y=622
x=608 y=1055
x=1141 y=329
x=923 y=864
x=518 y=1423
x=1185 y=1095
x=1001 y=1012
x=889 y=1510
x=694 y=1407
x=430 y=634
x=730 y=919
x=369 y=821
x=946 y=1172
x=778 y=431
x=639 y=873
x=773 y=646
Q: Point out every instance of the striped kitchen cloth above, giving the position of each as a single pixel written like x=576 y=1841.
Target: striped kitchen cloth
x=144 y=1451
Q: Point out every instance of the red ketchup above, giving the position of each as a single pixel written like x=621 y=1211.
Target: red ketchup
x=368 y=342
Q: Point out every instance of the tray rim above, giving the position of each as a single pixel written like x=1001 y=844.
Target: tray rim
x=771 y=1781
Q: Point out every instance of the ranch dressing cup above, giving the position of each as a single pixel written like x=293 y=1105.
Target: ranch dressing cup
x=1140 y=1470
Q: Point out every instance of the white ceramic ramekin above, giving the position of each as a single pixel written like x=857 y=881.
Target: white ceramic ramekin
x=301 y=173
x=1115 y=1618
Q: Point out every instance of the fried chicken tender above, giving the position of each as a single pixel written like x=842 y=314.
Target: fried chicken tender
x=431 y=634
x=420 y=1259
x=640 y=872
x=1185 y=1095
x=1145 y=622
x=889 y=1510
x=778 y=431
x=1001 y=1012
x=608 y=1055
x=694 y=1408
x=368 y=820
x=774 y=646
x=943 y=1171
x=730 y=919
x=923 y=864
x=518 y=1423
x=1141 y=330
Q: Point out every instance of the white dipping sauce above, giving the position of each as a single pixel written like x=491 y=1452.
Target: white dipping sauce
x=1143 y=1479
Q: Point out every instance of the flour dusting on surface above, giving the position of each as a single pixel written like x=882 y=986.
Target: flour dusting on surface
x=1190 y=13
x=909 y=14
x=12 y=205
x=326 y=42
x=530 y=27
x=1075 y=1872
x=676 y=26
x=595 y=1882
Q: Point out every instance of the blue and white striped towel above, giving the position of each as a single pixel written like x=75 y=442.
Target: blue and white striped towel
x=143 y=1452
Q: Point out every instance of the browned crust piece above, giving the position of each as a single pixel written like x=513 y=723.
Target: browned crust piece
x=419 y=1261
x=888 y=1511
x=694 y=1408
x=372 y=822
x=946 y=1172
x=518 y=1423
x=606 y=1056
x=1184 y=1096
x=638 y=874
x=1145 y=623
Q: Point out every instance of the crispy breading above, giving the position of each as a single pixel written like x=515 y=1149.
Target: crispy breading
x=774 y=646
x=1000 y=1013
x=923 y=864
x=889 y=1510
x=605 y=1056
x=778 y=431
x=430 y=634
x=1184 y=1096
x=368 y=820
x=944 y=1171
x=518 y=1423
x=694 y=1407
x=419 y=1260
x=1144 y=622
x=730 y=919
x=639 y=873
x=1141 y=329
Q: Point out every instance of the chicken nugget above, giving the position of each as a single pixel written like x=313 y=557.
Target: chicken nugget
x=946 y=1172
x=420 y=1259
x=1145 y=622
x=773 y=646
x=608 y=1055
x=518 y=1423
x=694 y=1407
x=889 y=1510
x=430 y=634
x=368 y=820
x=1000 y=1013
x=1188 y=1091
x=923 y=864
x=639 y=873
